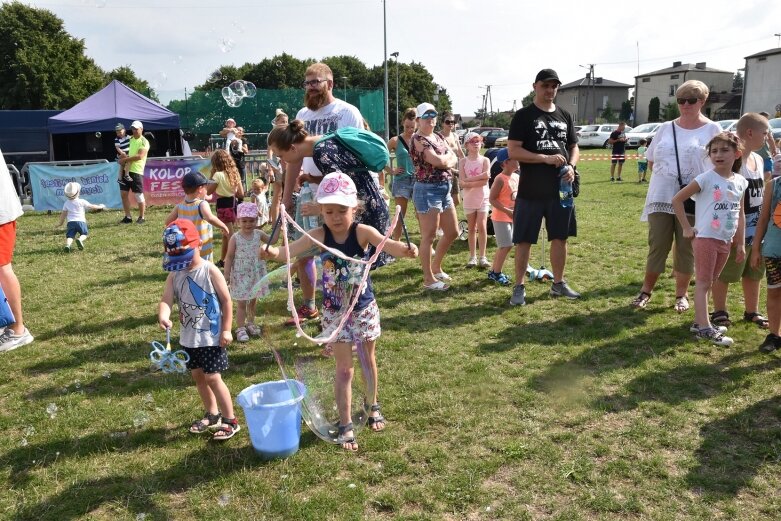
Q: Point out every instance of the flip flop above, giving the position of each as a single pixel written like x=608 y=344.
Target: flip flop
x=437 y=286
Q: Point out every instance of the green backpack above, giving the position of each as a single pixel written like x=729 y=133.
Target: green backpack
x=367 y=146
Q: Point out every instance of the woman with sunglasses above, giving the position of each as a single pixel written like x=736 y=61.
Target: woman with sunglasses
x=433 y=160
x=450 y=137
x=675 y=157
x=403 y=174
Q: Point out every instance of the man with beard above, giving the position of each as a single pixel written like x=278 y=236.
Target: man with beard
x=322 y=114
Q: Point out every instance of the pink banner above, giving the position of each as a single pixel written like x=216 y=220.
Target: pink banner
x=163 y=178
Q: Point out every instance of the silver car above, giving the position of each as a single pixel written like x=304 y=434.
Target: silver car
x=645 y=131
x=597 y=135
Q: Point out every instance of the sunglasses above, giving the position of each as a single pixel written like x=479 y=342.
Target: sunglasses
x=429 y=115
x=450 y=121
x=312 y=83
x=690 y=101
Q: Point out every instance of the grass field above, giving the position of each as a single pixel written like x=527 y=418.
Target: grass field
x=558 y=410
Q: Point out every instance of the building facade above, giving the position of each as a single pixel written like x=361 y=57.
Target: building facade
x=762 y=83
x=586 y=99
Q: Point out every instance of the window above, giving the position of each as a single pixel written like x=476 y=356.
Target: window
x=674 y=76
x=761 y=59
x=605 y=101
x=646 y=80
x=673 y=88
x=575 y=99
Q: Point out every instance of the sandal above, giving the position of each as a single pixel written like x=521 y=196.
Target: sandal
x=681 y=304
x=436 y=286
x=209 y=421
x=720 y=318
x=756 y=318
x=641 y=301
x=227 y=430
x=327 y=351
x=343 y=440
x=378 y=420
x=444 y=277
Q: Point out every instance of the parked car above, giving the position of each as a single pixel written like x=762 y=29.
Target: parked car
x=483 y=131
x=597 y=135
x=775 y=127
x=489 y=138
x=502 y=142
x=645 y=131
x=728 y=125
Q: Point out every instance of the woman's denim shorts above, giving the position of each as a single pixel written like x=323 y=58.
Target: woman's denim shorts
x=428 y=196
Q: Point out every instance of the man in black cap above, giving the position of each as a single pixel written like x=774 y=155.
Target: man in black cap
x=542 y=139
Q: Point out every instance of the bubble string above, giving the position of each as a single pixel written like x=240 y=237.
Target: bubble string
x=356 y=294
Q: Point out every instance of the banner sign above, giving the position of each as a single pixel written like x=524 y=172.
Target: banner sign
x=163 y=178
x=98 y=184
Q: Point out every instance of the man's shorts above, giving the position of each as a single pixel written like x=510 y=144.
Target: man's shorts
x=402 y=186
x=136 y=185
x=76 y=227
x=363 y=326
x=734 y=271
x=642 y=167
x=560 y=223
x=773 y=272
x=212 y=359
x=504 y=234
x=431 y=196
x=7 y=242
x=617 y=158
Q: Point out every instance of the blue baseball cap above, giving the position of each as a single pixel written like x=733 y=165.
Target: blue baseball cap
x=503 y=155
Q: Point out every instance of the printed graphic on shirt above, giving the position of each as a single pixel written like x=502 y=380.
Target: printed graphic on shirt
x=550 y=134
x=192 y=315
x=327 y=124
x=339 y=279
x=725 y=199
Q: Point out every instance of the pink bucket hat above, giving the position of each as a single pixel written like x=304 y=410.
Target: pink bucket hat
x=245 y=210
x=337 y=188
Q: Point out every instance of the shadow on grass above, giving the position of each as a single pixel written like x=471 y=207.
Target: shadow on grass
x=83 y=497
x=685 y=383
x=136 y=278
x=734 y=448
x=86 y=327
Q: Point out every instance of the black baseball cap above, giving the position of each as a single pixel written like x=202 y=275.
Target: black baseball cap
x=196 y=179
x=547 y=75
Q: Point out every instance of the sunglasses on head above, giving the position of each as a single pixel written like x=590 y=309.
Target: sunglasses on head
x=690 y=101
x=450 y=121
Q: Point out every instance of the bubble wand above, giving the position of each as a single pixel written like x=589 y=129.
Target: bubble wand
x=165 y=360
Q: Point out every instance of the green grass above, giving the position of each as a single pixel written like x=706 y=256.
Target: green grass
x=559 y=410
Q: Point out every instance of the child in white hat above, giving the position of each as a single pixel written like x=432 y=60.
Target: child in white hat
x=337 y=197
x=74 y=209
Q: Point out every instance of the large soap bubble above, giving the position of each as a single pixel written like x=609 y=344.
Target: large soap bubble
x=235 y=93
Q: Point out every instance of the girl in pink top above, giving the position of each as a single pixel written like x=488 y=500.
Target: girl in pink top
x=473 y=174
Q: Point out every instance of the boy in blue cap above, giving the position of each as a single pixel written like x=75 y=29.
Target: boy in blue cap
x=502 y=199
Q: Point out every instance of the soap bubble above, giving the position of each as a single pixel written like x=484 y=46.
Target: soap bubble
x=279 y=63
x=140 y=517
x=251 y=89
x=117 y=435
x=238 y=88
x=148 y=399
x=224 y=499
x=214 y=76
x=29 y=431
x=24 y=442
x=98 y=134
x=226 y=45
x=51 y=410
x=77 y=384
x=106 y=375
x=235 y=101
x=199 y=122
x=141 y=419
x=178 y=59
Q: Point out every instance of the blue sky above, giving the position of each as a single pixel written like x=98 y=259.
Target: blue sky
x=466 y=45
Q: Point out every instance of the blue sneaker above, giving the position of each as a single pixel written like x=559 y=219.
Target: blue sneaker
x=499 y=278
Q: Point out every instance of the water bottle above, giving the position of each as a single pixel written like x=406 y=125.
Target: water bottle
x=307 y=196
x=777 y=165
x=565 y=188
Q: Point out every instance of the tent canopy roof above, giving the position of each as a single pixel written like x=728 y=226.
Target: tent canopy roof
x=115 y=103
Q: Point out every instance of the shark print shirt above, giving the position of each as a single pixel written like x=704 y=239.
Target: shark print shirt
x=718 y=205
x=199 y=307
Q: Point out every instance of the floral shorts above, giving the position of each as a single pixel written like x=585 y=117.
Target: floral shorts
x=363 y=325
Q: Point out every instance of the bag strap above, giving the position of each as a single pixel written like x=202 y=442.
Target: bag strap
x=677 y=161
x=403 y=143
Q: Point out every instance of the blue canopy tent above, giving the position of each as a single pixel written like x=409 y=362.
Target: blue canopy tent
x=86 y=131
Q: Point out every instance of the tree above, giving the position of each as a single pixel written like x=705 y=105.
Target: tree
x=626 y=111
x=670 y=111
x=528 y=99
x=737 y=82
x=653 y=109
x=42 y=66
x=607 y=114
x=126 y=75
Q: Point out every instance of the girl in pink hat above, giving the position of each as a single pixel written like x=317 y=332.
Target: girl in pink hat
x=243 y=269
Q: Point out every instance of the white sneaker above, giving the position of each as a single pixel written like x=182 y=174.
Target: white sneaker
x=484 y=262
x=715 y=337
x=472 y=262
x=695 y=328
x=253 y=330
x=9 y=341
x=241 y=335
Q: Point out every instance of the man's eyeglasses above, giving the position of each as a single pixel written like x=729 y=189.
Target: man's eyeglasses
x=690 y=101
x=312 y=83
x=450 y=122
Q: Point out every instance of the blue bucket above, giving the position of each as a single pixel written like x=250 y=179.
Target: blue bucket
x=273 y=415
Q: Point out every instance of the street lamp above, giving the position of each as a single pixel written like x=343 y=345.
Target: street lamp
x=385 y=63
x=396 y=59
x=344 y=85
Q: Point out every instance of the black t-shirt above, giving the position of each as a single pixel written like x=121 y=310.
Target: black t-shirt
x=541 y=132
x=619 y=147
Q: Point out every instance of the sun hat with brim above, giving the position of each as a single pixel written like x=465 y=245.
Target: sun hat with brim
x=180 y=240
x=469 y=136
x=337 y=188
x=72 y=190
x=247 y=210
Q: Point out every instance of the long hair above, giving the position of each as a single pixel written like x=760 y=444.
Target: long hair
x=223 y=162
x=727 y=138
x=285 y=136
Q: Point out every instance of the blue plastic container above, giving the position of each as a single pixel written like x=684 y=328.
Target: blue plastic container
x=273 y=417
